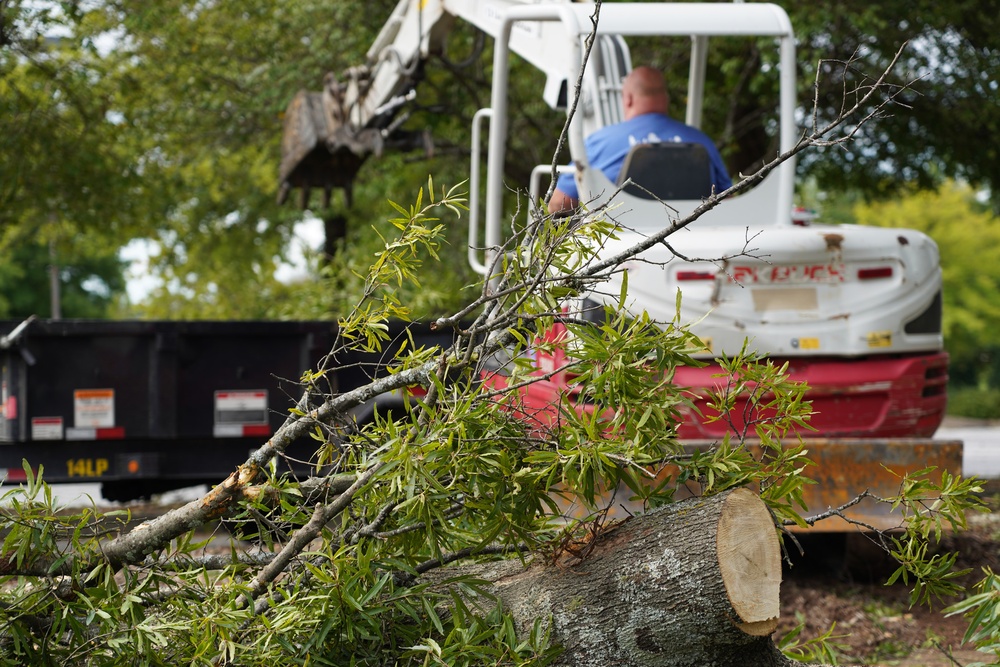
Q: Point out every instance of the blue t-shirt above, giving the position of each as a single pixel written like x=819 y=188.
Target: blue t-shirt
x=607 y=148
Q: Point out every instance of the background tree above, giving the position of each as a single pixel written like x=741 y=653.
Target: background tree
x=169 y=120
x=66 y=180
x=89 y=288
x=937 y=130
x=968 y=236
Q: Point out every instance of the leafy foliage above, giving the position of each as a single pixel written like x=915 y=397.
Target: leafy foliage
x=928 y=507
x=935 y=132
x=68 y=179
x=90 y=288
x=983 y=610
x=974 y=402
x=823 y=649
x=336 y=575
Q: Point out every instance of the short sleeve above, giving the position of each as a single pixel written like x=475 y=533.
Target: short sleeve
x=567 y=183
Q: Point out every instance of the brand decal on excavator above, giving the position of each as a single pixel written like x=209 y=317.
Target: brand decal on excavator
x=789 y=274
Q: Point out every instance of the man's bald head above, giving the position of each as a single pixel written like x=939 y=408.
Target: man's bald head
x=644 y=91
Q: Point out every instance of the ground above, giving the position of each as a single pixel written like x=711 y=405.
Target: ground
x=840 y=581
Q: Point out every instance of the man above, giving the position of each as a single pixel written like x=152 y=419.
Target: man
x=646 y=102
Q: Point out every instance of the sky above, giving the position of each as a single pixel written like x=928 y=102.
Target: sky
x=308 y=236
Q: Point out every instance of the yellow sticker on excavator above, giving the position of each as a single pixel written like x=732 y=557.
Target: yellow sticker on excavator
x=879 y=339
x=706 y=346
x=808 y=343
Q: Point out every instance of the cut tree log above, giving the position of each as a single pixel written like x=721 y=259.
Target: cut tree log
x=692 y=583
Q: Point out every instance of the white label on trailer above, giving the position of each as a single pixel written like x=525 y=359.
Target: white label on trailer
x=235 y=409
x=46 y=428
x=94 y=408
x=241 y=400
x=228 y=431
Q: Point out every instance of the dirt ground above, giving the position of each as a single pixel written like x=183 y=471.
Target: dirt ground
x=840 y=580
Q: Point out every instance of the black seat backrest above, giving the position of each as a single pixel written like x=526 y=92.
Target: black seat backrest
x=668 y=170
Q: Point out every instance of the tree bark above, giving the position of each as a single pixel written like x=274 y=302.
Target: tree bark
x=694 y=583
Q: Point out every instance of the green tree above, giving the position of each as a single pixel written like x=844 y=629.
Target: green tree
x=67 y=180
x=163 y=122
x=89 y=288
x=952 y=56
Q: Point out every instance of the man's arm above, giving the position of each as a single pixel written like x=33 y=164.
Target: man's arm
x=561 y=201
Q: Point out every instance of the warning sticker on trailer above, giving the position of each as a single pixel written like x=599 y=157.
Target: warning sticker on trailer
x=94 y=408
x=46 y=428
x=240 y=413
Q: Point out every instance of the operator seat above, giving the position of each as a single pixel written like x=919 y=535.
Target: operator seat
x=667 y=170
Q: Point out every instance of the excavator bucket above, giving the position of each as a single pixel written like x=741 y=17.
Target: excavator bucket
x=322 y=148
x=311 y=155
x=845 y=469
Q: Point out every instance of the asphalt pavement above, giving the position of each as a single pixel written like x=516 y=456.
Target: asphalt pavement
x=981 y=439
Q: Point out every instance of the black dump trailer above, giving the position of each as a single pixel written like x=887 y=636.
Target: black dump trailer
x=142 y=407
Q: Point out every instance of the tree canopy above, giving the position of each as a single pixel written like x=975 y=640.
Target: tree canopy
x=968 y=235
x=952 y=55
x=131 y=120
x=67 y=180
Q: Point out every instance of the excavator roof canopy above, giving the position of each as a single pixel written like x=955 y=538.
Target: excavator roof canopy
x=695 y=18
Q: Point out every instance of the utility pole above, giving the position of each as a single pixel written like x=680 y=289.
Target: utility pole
x=54 y=293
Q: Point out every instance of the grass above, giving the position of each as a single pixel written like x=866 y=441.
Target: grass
x=974 y=402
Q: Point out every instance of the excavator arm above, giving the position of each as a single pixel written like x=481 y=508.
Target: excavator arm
x=328 y=135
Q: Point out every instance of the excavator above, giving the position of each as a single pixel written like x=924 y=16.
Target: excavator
x=854 y=311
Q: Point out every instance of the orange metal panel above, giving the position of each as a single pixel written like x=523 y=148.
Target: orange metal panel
x=844 y=469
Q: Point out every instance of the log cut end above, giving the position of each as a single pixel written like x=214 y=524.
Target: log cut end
x=750 y=562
